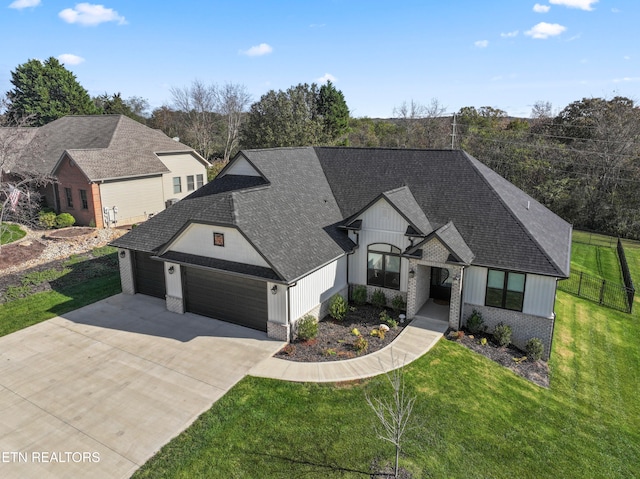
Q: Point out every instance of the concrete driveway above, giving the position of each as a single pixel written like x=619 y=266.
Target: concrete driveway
x=98 y=391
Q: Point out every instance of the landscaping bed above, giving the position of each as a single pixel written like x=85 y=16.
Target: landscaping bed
x=75 y=232
x=509 y=356
x=336 y=340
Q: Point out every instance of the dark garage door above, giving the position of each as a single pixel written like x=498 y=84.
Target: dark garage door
x=230 y=298
x=149 y=275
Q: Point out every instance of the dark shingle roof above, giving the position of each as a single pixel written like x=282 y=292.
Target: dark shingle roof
x=293 y=215
x=220 y=264
x=103 y=146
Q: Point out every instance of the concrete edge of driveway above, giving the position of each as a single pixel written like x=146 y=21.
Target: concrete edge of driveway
x=414 y=341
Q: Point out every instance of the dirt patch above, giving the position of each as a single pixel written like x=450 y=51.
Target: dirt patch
x=510 y=357
x=336 y=339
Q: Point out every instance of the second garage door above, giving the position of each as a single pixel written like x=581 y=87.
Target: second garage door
x=230 y=298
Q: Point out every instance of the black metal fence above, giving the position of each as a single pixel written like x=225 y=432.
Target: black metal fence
x=626 y=275
x=596 y=289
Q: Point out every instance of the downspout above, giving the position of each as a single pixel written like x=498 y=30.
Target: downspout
x=460 y=309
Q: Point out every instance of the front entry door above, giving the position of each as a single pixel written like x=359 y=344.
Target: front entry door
x=440 y=284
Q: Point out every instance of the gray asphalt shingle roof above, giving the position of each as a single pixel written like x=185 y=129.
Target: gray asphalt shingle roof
x=293 y=217
x=103 y=146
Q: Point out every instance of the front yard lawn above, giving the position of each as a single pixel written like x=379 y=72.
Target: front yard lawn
x=474 y=419
x=10 y=233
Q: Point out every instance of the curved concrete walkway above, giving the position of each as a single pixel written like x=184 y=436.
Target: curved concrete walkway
x=415 y=340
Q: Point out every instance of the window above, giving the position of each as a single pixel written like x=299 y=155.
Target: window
x=190 y=183
x=67 y=192
x=505 y=289
x=83 y=198
x=199 y=181
x=177 y=185
x=218 y=239
x=383 y=266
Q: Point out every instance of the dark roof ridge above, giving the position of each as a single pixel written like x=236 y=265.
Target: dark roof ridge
x=511 y=212
x=391 y=148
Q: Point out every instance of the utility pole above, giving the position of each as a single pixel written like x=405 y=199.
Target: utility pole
x=453 y=132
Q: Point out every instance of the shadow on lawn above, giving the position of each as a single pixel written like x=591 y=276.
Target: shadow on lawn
x=311 y=467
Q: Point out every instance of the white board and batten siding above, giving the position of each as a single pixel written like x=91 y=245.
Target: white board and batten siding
x=539 y=293
x=198 y=239
x=317 y=287
x=182 y=165
x=135 y=198
x=241 y=167
x=381 y=223
x=277 y=304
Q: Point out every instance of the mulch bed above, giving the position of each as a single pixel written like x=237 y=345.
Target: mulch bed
x=335 y=339
x=72 y=232
x=19 y=253
x=510 y=357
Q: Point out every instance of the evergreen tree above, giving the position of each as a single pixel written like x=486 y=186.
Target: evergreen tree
x=46 y=91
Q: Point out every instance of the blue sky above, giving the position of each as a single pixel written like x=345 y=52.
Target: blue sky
x=502 y=53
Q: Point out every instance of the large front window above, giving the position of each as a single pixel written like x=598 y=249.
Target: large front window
x=505 y=289
x=383 y=266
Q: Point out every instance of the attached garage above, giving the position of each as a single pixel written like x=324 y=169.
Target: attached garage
x=149 y=275
x=226 y=297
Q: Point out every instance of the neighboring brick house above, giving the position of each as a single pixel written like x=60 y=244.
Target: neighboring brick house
x=110 y=169
x=280 y=231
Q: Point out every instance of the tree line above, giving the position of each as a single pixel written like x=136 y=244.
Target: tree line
x=582 y=162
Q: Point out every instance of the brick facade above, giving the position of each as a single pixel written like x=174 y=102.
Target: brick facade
x=434 y=254
x=524 y=326
x=126 y=271
x=70 y=176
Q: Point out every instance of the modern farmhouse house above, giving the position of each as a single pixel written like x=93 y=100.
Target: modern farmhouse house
x=110 y=169
x=280 y=231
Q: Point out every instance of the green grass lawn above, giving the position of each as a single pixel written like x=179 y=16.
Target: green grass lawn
x=10 y=233
x=474 y=419
x=600 y=261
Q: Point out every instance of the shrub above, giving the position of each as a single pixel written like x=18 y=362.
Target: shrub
x=289 y=349
x=47 y=219
x=378 y=299
x=379 y=333
x=483 y=341
x=475 y=323
x=385 y=318
x=355 y=332
x=307 y=328
x=502 y=334
x=337 y=307
x=397 y=303
x=64 y=220
x=330 y=352
x=360 y=344
x=534 y=348
x=359 y=295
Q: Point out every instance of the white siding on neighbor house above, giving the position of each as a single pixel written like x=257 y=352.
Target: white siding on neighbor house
x=474 y=285
x=241 y=167
x=539 y=291
x=173 y=282
x=317 y=287
x=539 y=295
x=198 y=239
x=277 y=303
x=182 y=165
x=135 y=199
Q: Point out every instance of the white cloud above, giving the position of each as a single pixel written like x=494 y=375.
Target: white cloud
x=90 y=15
x=20 y=4
x=626 y=80
x=581 y=4
x=70 y=59
x=541 y=8
x=258 y=50
x=327 y=77
x=482 y=43
x=544 y=30
x=626 y=57
x=510 y=34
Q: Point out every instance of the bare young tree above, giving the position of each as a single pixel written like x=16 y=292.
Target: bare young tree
x=198 y=102
x=19 y=190
x=393 y=411
x=233 y=102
